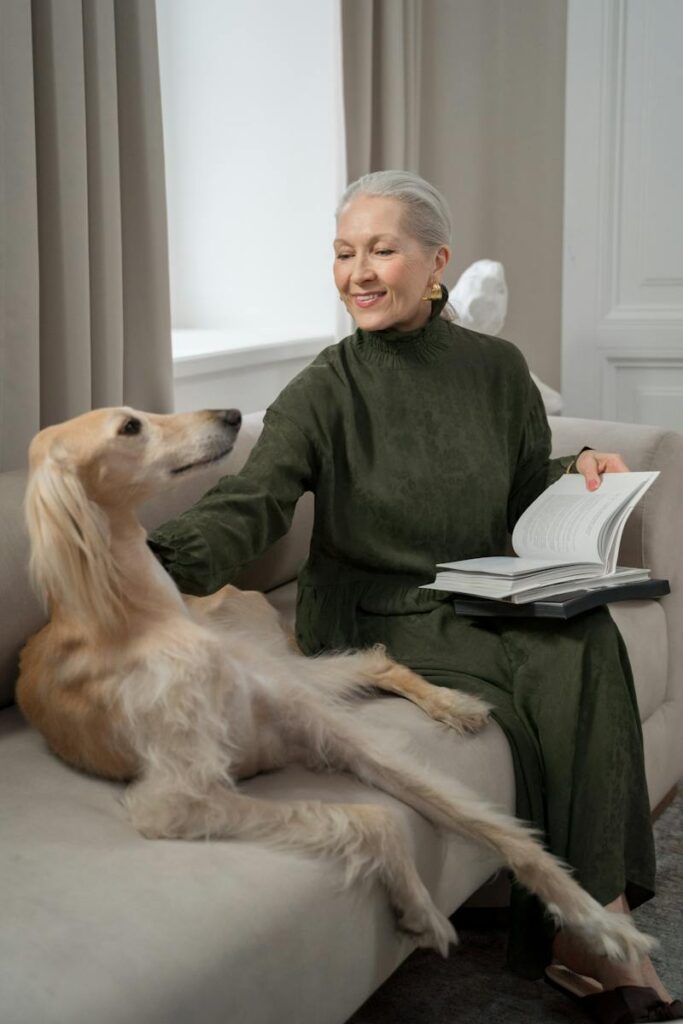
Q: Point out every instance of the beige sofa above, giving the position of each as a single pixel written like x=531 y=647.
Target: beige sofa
x=99 y=924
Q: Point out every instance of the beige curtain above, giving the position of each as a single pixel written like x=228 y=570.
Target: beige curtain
x=84 y=292
x=381 y=69
x=470 y=94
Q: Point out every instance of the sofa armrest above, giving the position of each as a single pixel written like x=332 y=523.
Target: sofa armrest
x=652 y=536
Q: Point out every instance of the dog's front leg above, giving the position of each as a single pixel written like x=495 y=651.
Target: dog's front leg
x=368 y=840
x=458 y=710
x=212 y=606
x=451 y=806
x=249 y=611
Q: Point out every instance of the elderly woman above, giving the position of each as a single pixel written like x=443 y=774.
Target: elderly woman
x=423 y=440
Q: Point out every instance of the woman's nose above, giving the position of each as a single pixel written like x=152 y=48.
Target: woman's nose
x=362 y=269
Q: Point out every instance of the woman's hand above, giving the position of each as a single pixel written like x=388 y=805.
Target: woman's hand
x=592 y=465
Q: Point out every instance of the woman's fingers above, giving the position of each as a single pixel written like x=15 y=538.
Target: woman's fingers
x=592 y=465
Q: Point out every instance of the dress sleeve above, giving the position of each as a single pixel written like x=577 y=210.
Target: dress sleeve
x=242 y=515
x=535 y=470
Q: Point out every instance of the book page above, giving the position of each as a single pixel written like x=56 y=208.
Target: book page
x=503 y=566
x=568 y=521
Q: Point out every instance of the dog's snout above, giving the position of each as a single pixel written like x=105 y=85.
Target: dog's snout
x=230 y=417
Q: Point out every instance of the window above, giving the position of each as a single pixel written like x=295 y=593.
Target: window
x=251 y=98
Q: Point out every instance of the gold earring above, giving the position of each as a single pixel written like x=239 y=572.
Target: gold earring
x=434 y=293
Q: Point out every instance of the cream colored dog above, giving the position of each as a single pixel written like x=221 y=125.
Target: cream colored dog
x=185 y=696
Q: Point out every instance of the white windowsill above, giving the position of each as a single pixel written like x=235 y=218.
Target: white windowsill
x=199 y=351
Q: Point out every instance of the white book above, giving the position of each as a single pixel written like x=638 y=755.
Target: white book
x=568 y=539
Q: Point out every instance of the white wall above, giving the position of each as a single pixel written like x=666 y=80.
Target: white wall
x=250 y=96
x=623 y=253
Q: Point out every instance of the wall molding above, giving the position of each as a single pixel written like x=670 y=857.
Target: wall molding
x=622 y=303
x=659 y=365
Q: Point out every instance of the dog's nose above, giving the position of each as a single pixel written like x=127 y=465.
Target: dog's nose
x=231 y=417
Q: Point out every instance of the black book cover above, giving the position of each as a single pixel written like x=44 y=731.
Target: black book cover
x=564 y=606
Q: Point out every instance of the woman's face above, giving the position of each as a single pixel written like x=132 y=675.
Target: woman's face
x=381 y=272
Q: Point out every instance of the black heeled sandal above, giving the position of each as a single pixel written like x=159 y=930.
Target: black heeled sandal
x=626 y=1004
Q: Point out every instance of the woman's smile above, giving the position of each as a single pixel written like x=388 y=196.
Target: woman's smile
x=366 y=299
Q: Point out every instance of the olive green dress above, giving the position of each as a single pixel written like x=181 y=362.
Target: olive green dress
x=423 y=447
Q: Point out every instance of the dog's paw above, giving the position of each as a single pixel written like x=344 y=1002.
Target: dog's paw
x=428 y=927
x=614 y=936
x=624 y=942
x=457 y=710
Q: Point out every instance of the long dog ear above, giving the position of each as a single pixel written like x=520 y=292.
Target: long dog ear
x=71 y=563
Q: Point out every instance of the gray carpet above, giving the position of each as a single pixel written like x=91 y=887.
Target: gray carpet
x=473 y=985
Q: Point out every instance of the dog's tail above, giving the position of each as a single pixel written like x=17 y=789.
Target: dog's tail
x=71 y=562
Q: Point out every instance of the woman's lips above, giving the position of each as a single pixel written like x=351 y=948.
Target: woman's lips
x=368 y=299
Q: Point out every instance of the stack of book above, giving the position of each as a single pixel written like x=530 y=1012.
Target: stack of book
x=566 y=547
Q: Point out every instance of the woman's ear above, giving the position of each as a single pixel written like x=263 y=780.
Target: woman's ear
x=442 y=257
x=71 y=563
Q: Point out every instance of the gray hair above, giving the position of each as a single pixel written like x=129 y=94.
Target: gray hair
x=426 y=213
x=426 y=216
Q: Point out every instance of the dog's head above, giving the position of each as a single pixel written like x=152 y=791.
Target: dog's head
x=88 y=469
x=122 y=456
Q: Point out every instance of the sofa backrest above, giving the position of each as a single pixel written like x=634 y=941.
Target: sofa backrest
x=20 y=610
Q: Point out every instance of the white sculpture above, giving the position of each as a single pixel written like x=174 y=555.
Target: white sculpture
x=480 y=297
x=480 y=301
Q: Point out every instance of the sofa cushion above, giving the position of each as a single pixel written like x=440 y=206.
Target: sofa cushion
x=101 y=924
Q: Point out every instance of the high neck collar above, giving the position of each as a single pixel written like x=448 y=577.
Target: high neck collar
x=402 y=348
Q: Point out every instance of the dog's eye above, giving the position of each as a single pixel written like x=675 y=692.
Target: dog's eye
x=131 y=426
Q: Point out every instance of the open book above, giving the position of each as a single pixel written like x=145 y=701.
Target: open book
x=567 y=540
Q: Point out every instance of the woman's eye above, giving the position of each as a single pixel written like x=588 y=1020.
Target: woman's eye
x=131 y=426
x=343 y=255
x=384 y=252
